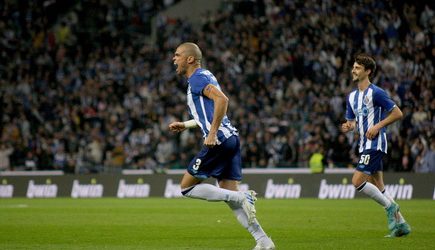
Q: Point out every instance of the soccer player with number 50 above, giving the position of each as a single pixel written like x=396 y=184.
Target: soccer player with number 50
x=369 y=110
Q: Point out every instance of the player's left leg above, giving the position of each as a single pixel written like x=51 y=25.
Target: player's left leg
x=229 y=172
x=402 y=227
x=263 y=241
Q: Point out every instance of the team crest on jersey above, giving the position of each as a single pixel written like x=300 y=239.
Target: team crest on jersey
x=366 y=100
x=363 y=112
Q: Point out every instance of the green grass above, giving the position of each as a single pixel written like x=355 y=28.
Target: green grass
x=193 y=224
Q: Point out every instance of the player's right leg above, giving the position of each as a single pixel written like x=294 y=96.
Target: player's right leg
x=229 y=172
x=263 y=242
x=248 y=204
x=402 y=227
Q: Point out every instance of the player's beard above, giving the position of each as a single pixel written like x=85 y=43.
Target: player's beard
x=355 y=79
x=181 y=70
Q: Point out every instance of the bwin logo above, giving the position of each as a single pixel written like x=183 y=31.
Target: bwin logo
x=336 y=191
x=6 y=191
x=87 y=190
x=41 y=191
x=289 y=191
x=400 y=191
x=139 y=190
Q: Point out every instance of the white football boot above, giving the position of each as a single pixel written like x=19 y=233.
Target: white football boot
x=265 y=243
x=248 y=205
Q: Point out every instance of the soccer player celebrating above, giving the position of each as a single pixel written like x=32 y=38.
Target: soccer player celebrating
x=370 y=110
x=220 y=154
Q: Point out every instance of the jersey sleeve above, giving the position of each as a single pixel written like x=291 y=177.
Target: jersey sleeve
x=350 y=115
x=198 y=83
x=382 y=99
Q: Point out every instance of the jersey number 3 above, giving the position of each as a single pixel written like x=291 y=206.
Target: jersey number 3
x=197 y=163
x=364 y=159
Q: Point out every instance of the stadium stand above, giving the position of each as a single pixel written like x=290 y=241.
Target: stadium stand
x=91 y=92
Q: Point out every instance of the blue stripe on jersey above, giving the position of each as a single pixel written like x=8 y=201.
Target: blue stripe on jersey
x=350 y=114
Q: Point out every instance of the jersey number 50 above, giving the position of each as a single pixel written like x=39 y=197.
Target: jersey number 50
x=364 y=159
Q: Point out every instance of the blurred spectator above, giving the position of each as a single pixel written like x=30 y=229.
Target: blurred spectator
x=5 y=152
x=116 y=158
x=165 y=152
x=317 y=160
x=60 y=159
x=30 y=162
x=425 y=162
x=95 y=152
x=340 y=152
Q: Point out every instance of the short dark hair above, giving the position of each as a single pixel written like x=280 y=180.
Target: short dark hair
x=367 y=61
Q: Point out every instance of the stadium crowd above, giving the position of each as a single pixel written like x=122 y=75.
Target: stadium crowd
x=92 y=93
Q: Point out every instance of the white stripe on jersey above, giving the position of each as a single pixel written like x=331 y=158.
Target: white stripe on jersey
x=385 y=140
x=379 y=147
x=193 y=111
x=370 y=117
x=352 y=100
x=226 y=131
x=360 y=121
x=207 y=123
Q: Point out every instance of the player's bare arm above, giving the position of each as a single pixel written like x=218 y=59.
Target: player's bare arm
x=395 y=114
x=220 y=109
x=348 y=126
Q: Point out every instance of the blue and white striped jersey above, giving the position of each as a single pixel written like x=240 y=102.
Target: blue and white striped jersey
x=368 y=108
x=201 y=108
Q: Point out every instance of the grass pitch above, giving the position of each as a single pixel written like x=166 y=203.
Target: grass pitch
x=157 y=223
